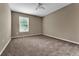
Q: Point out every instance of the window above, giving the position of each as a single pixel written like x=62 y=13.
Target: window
x=23 y=24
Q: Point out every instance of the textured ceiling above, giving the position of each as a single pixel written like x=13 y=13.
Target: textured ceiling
x=30 y=8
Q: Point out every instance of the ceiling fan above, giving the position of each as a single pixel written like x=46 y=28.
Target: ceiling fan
x=40 y=6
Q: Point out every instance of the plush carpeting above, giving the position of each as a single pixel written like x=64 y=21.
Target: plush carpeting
x=40 y=46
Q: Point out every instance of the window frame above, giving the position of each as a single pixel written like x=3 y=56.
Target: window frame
x=27 y=19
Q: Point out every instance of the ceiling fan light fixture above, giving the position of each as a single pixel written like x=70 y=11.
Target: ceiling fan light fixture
x=40 y=6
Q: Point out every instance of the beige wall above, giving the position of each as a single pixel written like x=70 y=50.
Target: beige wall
x=35 y=26
x=63 y=24
x=5 y=26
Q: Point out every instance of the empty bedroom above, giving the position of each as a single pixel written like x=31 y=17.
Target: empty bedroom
x=39 y=29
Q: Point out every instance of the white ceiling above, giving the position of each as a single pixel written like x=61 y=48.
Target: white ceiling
x=30 y=8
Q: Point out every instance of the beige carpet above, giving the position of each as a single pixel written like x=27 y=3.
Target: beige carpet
x=40 y=46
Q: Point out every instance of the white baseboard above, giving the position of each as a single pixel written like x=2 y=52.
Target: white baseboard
x=5 y=46
x=26 y=35
x=62 y=39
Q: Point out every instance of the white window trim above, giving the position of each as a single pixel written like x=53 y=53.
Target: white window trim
x=27 y=22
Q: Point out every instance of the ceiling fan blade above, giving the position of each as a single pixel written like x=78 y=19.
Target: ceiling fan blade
x=40 y=6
